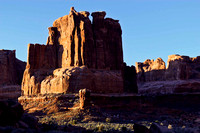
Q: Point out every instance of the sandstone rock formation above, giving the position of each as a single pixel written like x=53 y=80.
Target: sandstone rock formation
x=183 y=67
x=10 y=75
x=181 y=75
x=130 y=79
x=10 y=91
x=84 y=98
x=11 y=68
x=78 y=54
x=150 y=70
x=178 y=68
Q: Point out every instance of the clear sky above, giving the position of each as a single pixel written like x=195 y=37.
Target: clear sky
x=151 y=28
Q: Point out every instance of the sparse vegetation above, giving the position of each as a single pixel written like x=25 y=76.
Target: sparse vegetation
x=95 y=119
x=108 y=120
x=100 y=128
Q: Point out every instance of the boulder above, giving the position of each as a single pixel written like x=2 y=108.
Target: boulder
x=31 y=121
x=10 y=112
x=155 y=128
x=138 y=128
x=13 y=119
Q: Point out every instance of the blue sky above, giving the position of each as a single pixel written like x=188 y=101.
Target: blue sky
x=151 y=28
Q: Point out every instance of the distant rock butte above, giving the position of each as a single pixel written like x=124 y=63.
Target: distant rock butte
x=182 y=74
x=78 y=54
x=11 y=73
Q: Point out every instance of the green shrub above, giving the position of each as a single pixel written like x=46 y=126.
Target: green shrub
x=99 y=128
x=73 y=122
x=108 y=120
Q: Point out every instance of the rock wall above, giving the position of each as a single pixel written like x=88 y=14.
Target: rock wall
x=108 y=42
x=183 y=67
x=78 y=54
x=182 y=74
x=178 y=68
x=130 y=79
x=79 y=42
x=7 y=64
x=41 y=57
x=11 y=68
x=10 y=75
x=150 y=70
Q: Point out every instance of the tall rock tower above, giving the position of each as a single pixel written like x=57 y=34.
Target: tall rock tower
x=78 y=54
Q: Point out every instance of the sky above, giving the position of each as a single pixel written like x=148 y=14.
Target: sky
x=150 y=28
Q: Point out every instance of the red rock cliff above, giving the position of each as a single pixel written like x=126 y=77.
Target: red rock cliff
x=78 y=54
x=11 y=68
x=182 y=74
x=11 y=73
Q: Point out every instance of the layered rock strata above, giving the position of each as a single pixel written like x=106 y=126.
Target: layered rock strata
x=78 y=54
x=182 y=74
x=11 y=68
x=150 y=70
x=10 y=75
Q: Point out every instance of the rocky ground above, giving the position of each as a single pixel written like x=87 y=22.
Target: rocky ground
x=61 y=113
x=118 y=120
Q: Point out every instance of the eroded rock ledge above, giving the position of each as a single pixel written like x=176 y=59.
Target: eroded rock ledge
x=182 y=74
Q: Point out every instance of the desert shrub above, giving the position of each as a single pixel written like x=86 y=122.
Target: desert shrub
x=117 y=127
x=108 y=120
x=99 y=128
x=73 y=122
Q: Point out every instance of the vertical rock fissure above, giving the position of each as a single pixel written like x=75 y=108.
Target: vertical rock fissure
x=95 y=47
x=73 y=47
x=79 y=46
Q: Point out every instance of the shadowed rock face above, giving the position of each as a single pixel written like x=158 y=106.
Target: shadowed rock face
x=130 y=79
x=78 y=54
x=181 y=75
x=11 y=73
x=11 y=68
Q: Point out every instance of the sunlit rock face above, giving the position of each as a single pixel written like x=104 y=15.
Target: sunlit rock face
x=150 y=70
x=11 y=72
x=182 y=74
x=183 y=67
x=78 y=54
